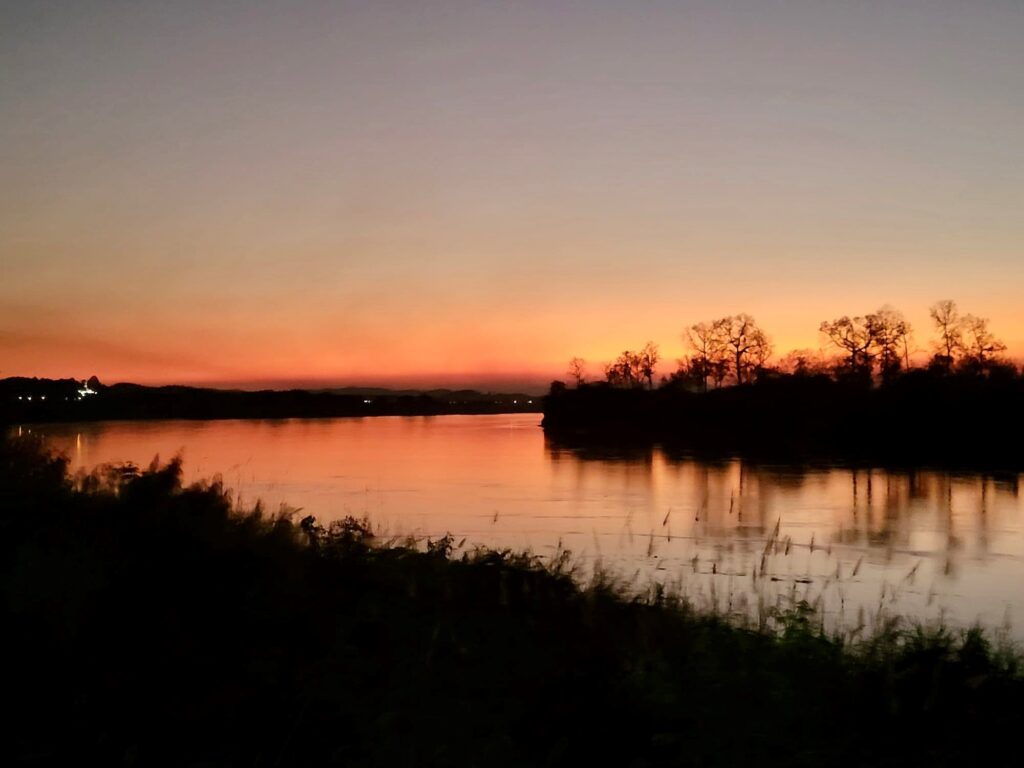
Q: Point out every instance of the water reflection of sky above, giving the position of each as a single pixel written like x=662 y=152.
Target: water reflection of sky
x=921 y=542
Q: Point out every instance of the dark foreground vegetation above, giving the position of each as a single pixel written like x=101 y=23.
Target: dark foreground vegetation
x=150 y=624
x=39 y=400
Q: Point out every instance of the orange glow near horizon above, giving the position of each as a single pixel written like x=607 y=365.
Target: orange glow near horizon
x=526 y=355
x=413 y=196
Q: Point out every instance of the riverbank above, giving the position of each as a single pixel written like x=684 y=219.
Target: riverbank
x=156 y=624
x=25 y=401
x=918 y=420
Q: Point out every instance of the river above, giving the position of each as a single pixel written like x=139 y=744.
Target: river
x=860 y=544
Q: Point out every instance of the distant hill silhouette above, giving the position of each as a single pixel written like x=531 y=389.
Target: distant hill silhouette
x=38 y=400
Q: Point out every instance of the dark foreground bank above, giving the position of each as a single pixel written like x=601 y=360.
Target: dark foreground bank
x=151 y=624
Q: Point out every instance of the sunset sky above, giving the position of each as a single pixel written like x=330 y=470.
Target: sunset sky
x=423 y=193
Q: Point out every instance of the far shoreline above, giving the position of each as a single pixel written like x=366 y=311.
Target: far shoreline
x=919 y=420
x=41 y=401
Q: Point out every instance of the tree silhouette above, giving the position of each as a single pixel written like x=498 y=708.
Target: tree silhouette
x=947 y=322
x=737 y=347
x=710 y=351
x=625 y=371
x=855 y=337
x=631 y=369
x=689 y=373
x=980 y=345
x=748 y=345
x=965 y=341
x=648 y=361
x=577 y=370
x=890 y=335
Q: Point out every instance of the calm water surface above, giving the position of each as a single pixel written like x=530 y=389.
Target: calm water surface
x=924 y=543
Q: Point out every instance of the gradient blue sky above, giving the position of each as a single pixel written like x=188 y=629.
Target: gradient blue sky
x=435 y=192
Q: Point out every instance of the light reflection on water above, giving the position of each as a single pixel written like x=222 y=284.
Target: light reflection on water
x=924 y=543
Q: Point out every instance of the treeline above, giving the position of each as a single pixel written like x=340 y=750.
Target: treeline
x=151 y=624
x=865 y=403
x=877 y=345
x=39 y=400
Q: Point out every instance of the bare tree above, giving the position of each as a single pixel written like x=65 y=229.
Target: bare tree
x=890 y=334
x=980 y=345
x=710 y=351
x=577 y=370
x=948 y=323
x=965 y=341
x=855 y=337
x=648 y=361
x=748 y=346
